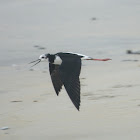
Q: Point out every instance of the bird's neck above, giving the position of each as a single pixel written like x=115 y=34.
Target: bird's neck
x=54 y=59
x=51 y=58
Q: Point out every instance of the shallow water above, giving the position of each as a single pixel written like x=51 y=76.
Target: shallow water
x=67 y=26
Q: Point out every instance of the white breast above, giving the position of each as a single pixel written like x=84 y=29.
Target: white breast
x=57 y=60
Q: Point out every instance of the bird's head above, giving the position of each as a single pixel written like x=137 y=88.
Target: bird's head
x=41 y=58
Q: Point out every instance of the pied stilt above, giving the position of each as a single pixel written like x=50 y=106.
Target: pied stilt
x=65 y=70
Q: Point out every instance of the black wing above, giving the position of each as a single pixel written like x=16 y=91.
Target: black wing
x=69 y=72
x=55 y=76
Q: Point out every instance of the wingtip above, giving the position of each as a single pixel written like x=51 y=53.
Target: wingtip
x=78 y=107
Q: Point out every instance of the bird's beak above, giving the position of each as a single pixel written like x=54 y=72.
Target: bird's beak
x=38 y=61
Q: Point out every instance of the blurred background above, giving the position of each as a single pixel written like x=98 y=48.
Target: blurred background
x=98 y=28
x=110 y=91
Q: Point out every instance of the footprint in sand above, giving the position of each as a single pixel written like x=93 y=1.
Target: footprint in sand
x=122 y=86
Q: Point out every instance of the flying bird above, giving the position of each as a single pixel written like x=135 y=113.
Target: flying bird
x=65 y=70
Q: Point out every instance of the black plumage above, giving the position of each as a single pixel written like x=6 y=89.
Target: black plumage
x=55 y=76
x=65 y=70
x=67 y=74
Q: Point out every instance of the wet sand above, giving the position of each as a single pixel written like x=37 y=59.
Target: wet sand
x=110 y=91
x=110 y=104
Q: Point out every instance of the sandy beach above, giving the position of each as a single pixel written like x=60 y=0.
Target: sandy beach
x=110 y=104
x=110 y=91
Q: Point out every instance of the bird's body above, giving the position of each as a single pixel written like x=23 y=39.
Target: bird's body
x=65 y=70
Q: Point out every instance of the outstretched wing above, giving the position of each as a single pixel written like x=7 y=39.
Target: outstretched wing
x=69 y=72
x=55 y=76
